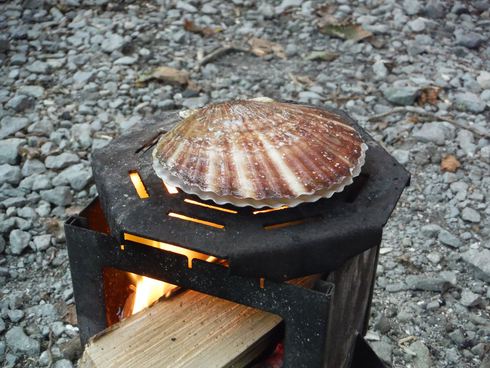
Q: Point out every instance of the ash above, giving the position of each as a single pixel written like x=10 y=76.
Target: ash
x=68 y=87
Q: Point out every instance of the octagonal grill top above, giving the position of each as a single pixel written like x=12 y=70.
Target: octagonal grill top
x=283 y=244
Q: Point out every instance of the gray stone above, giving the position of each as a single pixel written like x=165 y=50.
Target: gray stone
x=18 y=59
x=10 y=125
x=42 y=242
x=2 y=325
x=20 y=103
x=195 y=102
x=32 y=167
x=80 y=78
x=60 y=196
x=2 y=247
x=470 y=299
x=9 y=150
x=431 y=132
x=33 y=91
x=4 y=44
x=19 y=342
x=19 y=240
x=112 y=42
x=417 y=25
x=445 y=237
x=126 y=60
x=457 y=336
x=380 y=70
x=184 y=5
x=465 y=140
x=422 y=358
x=78 y=176
x=402 y=156
x=479 y=260
x=471 y=40
x=412 y=7
x=470 y=215
x=434 y=9
x=61 y=161
x=45 y=310
x=431 y=230
x=38 y=67
x=483 y=79
x=401 y=95
x=383 y=350
x=468 y=101
x=426 y=283
x=286 y=4
x=9 y=174
x=63 y=363
x=15 y=315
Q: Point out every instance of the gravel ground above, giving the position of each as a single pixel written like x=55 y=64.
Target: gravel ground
x=73 y=76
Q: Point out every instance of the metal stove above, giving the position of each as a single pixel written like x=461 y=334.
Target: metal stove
x=257 y=250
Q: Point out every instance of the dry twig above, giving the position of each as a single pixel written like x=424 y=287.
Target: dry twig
x=48 y=350
x=220 y=51
x=421 y=112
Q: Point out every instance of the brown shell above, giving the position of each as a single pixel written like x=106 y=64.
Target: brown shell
x=260 y=153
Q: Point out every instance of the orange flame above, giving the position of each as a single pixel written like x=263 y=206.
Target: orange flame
x=149 y=290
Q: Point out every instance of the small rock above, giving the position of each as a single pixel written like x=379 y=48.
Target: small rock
x=20 y=103
x=383 y=325
x=426 y=283
x=61 y=161
x=286 y=4
x=38 y=67
x=42 y=242
x=32 y=167
x=183 y=5
x=401 y=95
x=60 y=196
x=15 y=315
x=195 y=102
x=380 y=70
x=470 y=299
x=483 y=79
x=9 y=150
x=471 y=40
x=431 y=132
x=19 y=342
x=422 y=358
x=445 y=237
x=457 y=336
x=77 y=176
x=434 y=9
x=412 y=7
x=19 y=240
x=431 y=230
x=402 y=156
x=10 y=125
x=417 y=25
x=480 y=261
x=9 y=174
x=469 y=102
x=469 y=214
x=63 y=363
x=126 y=60
x=112 y=42
x=32 y=91
x=465 y=140
x=80 y=78
x=383 y=350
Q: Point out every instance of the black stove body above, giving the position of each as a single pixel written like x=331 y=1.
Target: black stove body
x=259 y=250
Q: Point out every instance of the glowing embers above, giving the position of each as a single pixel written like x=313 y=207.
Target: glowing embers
x=189 y=254
x=196 y=220
x=170 y=189
x=258 y=212
x=282 y=225
x=138 y=184
x=217 y=208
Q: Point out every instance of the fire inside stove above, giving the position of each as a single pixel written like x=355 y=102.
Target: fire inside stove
x=127 y=293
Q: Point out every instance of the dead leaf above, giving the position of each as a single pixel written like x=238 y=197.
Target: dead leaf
x=261 y=47
x=450 y=163
x=346 y=31
x=190 y=26
x=322 y=55
x=70 y=315
x=166 y=74
x=302 y=80
x=429 y=95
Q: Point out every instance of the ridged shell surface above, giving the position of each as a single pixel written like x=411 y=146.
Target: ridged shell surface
x=260 y=153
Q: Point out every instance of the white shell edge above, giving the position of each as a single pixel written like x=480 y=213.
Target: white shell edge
x=273 y=203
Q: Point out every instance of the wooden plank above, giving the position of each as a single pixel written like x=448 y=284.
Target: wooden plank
x=190 y=329
x=349 y=311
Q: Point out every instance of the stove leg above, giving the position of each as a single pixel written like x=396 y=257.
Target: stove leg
x=306 y=331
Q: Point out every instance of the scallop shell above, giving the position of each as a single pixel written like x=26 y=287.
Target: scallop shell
x=260 y=153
